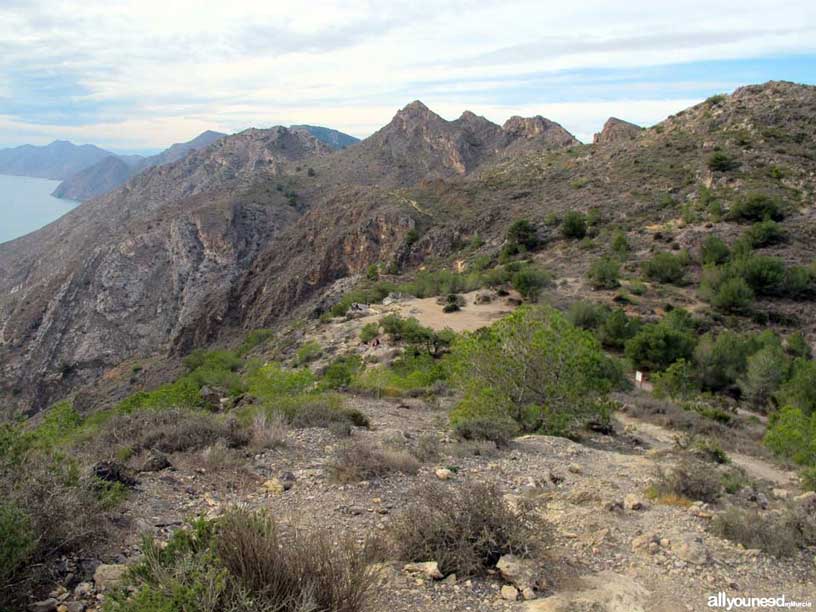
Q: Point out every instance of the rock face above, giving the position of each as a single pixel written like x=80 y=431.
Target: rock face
x=617 y=130
x=538 y=129
x=57 y=161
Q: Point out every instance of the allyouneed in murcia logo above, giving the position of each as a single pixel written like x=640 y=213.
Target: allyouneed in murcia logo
x=721 y=600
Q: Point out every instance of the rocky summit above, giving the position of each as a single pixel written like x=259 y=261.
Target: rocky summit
x=453 y=366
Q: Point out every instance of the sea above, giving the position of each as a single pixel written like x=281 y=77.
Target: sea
x=26 y=204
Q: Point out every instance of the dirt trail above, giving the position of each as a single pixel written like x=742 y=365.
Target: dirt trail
x=662 y=438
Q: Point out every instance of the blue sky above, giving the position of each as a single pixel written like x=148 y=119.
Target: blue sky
x=138 y=75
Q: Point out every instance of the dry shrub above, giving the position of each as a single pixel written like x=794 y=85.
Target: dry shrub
x=299 y=571
x=465 y=529
x=320 y=413
x=361 y=460
x=269 y=431
x=690 y=479
x=169 y=431
x=780 y=534
x=245 y=562
x=57 y=511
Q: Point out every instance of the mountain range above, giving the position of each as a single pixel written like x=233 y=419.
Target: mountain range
x=255 y=227
x=87 y=171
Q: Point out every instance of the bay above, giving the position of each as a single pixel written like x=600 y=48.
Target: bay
x=26 y=204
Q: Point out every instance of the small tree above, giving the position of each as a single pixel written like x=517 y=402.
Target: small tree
x=529 y=282
x=657 y=346
x=604 y=273
x=665 y=268
x=574 y=225
x=766 y=371
x=734 y=296
x=523 y=233
x=720 y=161
x=532 y=368
x=714 y=251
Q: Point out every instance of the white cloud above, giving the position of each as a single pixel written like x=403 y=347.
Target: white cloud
x=147 y=72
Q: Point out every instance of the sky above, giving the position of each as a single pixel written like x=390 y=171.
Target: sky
x=138 y=75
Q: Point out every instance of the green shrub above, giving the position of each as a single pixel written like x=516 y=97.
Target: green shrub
x=493 y=430
x=617 y=328
x=722 y=359
x=308 y=352
x=765 y=275
x=587 y=315
x=17 y=542
x=341 y=371
x=574 y=225
x=721 y=162
x=792 y=434
x=620 y=244
x=418 y=337
x=254 y=339
x=757 y=206
x=665 y=268
x=272 y=380
x=369 y=332
x=523 y=234
x=797 y=346
x=530 y=281
x=465 y=530
x=373 y=272
x=604 y=273
x=800 y=391
x=678 y=381
x=766 y=370
x=734 y=296
x=799 y=283
x=778 y=534
x=410 y=374
x=764 y=233
x=533 y=368
x=657 y=346
x=714 y=251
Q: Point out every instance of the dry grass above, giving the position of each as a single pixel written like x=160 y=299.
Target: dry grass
x=688 y=479
x=466 y=530
x=301 y=572
x=778 y=534
x=169 y=431
x=361 y=460
x=269 y=431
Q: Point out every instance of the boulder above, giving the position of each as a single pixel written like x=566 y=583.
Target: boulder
x=113 y=472
x=46 y=605
x=429 y=569
x=443 y=473
x=156 y=461
x=603 y=592
x=633 y=502
x=109 y=576
x=690 y=550
x=509 y=593
x=521 y=573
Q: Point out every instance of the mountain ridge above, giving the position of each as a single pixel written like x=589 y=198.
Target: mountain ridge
x=252 y=228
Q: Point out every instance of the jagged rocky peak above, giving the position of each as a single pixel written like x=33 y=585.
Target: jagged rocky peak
x=538 y=127
x=617 y=130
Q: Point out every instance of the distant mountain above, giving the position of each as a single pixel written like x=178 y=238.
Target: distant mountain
x=180 y=149
x=333 y=138
x=55 y=161
x=114 y=171
x=100 y=178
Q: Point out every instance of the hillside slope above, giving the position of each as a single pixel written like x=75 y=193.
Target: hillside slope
x=244 y=232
